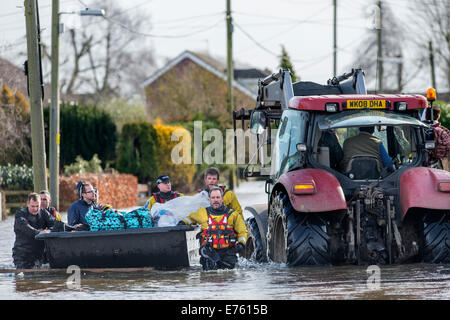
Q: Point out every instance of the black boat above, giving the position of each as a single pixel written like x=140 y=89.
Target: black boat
x=159 y=247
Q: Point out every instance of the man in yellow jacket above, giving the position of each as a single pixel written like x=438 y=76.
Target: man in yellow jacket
x=224 y=233
x=211 y=180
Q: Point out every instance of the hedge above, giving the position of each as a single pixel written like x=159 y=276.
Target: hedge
x=181 y=175
x=118 y=190
x=85 y=131
x=137 y=151
x=145 y=151
x=16 y=177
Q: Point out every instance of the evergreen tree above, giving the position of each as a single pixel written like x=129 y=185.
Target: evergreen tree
x=285 y=63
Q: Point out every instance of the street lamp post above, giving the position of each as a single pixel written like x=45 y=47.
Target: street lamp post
x=54 y=111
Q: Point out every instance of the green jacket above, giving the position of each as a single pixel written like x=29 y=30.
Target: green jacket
x=363 y=144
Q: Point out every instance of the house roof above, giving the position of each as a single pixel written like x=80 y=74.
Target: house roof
x=251 y=73
x=203 y=60
x=13 y=76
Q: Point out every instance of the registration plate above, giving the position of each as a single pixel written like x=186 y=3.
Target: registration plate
x=366 y=104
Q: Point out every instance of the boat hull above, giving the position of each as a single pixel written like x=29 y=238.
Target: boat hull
x=162 y=248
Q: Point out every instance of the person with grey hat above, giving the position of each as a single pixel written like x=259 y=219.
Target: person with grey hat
x=164 y=194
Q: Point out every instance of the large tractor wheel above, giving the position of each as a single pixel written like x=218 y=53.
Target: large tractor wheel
x=436 y=238
x=254 y=247
x=295 y=238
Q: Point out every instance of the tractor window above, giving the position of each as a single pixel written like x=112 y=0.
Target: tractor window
x=290 y=133
x=397 y=140
x=281 y=147
x=402 y=144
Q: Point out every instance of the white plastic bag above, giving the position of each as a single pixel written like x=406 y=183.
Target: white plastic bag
x=168 y=214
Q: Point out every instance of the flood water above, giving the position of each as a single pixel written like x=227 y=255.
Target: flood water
x=250 y=280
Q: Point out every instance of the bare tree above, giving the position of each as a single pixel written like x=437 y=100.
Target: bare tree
x=393 y=57
x=102 y=58
x=433 y=24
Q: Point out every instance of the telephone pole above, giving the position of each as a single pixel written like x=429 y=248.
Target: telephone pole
x=34 y=84
x=334 y=38
x=380 y=48
x=54 y=110
x=229 y=58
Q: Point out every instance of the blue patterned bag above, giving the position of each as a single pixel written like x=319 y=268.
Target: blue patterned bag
x=111 y=219
x=138 y=218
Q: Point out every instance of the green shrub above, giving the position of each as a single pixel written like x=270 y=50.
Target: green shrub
x=123 y=111
x=16 y=177
x=181 y=174
x=83 y=166
x=445 y=113
x=137 y=151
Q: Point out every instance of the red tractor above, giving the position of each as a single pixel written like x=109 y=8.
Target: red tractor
x=322 y=211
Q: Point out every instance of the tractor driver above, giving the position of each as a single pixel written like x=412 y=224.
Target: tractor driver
x=365 y=144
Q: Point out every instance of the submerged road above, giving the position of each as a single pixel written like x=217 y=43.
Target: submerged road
x=249 y=280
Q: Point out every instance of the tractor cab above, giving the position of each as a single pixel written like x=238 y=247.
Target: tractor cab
x=306 y=125
x=340 y=125
x=347 y=170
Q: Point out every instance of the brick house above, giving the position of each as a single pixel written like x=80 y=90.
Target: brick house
x=194 y=85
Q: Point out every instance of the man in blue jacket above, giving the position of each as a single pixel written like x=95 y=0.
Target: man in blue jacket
x=77 y=211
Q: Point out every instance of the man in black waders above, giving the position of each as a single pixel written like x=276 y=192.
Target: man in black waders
x=224 y=233
x=29 y=222
x=164 y=194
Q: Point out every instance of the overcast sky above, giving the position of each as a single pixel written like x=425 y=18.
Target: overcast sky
x=304 y=27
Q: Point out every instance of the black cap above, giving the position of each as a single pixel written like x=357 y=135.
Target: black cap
x=163 y=179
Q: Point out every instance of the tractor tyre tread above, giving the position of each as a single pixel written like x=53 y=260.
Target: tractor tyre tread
x=436 y=238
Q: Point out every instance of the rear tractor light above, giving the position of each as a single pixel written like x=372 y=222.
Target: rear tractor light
x=304 y=188
x=444 y=186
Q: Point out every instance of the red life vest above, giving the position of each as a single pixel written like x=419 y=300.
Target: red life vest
x=159 y=199
x=219 y=235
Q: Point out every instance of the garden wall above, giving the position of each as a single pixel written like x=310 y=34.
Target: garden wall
x=118 y=190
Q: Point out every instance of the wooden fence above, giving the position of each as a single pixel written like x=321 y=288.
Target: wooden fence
x=8 y=204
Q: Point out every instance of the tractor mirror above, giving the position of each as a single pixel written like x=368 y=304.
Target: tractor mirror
x=257 y=122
